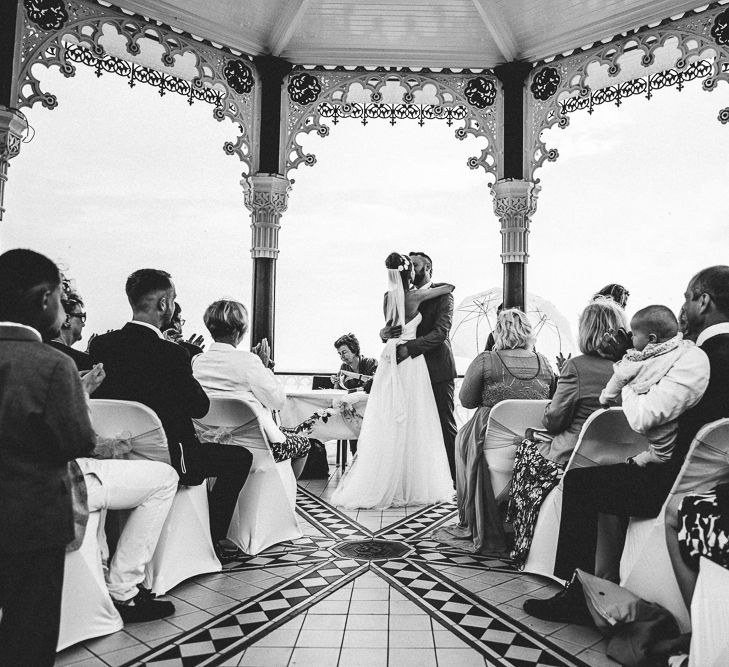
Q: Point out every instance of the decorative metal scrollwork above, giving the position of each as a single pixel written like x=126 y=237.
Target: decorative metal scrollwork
x=480 y=92
x=723 y=116
x=129 y=45
x=139 y=73
x=394 y=95
x=545 y=83
x=239 y=76
x=720 y=29
x=392 y=112
x=47 y=14
x=694 y=45
x=645 y=85
x=304 y=88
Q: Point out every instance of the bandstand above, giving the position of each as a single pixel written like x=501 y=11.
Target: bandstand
x=501 y=71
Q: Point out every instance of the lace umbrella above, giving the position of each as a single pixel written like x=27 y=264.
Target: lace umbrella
x=475 y=317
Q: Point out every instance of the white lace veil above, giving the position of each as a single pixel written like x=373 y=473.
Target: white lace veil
x=395 y=302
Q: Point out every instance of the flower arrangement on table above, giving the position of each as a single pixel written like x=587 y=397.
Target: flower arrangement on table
x=346 y=406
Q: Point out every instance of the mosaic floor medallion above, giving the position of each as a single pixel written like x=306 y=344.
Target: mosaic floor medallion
x=371 y=549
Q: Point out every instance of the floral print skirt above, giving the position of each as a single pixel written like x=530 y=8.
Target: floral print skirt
x=534 y=477
x=294 y=447
x=704 y=531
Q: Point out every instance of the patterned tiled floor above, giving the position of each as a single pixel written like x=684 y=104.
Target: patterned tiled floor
x=310 y=603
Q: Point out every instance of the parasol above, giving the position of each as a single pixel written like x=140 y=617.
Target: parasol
x=475 y=317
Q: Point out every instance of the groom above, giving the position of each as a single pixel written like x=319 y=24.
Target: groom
x=432 y=342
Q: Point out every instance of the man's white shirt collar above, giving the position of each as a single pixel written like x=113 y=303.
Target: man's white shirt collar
x=427 y=285
x=22 y=326
x=713 y=330
x=149 y=326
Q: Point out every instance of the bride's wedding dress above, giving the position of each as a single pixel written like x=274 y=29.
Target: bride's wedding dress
x=400 y=458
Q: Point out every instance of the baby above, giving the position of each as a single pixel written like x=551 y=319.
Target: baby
x=657 y=348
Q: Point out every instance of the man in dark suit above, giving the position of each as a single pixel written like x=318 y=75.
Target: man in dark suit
x=72 y=330
x=44 y=424
x=433 y=343
x=631 y=490
x=142 y=366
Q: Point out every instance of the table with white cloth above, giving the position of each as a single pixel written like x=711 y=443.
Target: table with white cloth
x=344 y=422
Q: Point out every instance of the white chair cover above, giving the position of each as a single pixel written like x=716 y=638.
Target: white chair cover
x=710 y=615
x=645 y=568
x=507 y=420
x=605 y=438
x=185 y=548
x=266 y=510
x=86 y=607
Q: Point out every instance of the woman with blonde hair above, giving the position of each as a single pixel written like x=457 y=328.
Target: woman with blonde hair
x=511 y=370
x=540 y=461
x=226 y=371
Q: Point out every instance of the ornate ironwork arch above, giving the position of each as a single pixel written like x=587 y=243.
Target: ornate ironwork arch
x=472 y=99
x=58 y=33
x=559 y=87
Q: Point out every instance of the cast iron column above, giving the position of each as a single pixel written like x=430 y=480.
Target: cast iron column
x=266 y=195
x=12 y=123
x=514 y=198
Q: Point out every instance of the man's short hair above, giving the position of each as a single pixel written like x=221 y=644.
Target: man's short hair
x=713 y=281
x=426 y=259
x=144 y=282
x=659 y=320
x=21 y=273
x=226 y=318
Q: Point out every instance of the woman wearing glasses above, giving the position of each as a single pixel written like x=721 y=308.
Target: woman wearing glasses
x=72 y=329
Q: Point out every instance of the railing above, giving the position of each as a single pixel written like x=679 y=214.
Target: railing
x=301 y=381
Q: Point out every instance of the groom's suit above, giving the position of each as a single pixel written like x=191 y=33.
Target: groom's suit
x=433 y=343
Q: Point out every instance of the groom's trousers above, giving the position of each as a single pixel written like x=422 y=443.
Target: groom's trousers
x=443 y=392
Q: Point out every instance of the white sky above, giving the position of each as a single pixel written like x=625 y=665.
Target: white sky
x=118 y=179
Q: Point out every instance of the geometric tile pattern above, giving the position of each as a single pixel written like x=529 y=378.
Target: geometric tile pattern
x=324 y=567
x=420 y=523
x=328 y=519
x=487 y=629
x=240 y=626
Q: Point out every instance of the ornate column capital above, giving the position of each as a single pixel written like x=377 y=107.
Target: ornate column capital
x=266 y=197
x=12 y=127
x=515 y=201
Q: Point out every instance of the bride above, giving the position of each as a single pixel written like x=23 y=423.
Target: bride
x=401 y=459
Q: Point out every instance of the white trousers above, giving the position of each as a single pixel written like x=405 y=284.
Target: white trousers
x=147 y=489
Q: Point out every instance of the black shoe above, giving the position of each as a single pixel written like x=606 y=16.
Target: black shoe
x=226 y=551
x=568 y=606
x=143 y=607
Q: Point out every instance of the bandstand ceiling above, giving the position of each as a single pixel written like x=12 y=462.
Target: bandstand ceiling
x=412 y=33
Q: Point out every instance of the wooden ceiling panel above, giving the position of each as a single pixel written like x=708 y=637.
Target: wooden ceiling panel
x=445 y=33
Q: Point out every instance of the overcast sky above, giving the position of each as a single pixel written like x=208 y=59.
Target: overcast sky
x=118 y=179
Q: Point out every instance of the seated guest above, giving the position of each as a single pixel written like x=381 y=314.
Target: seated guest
x=511 y=370
x=630 y=490
x=173 y=333
x=142 y=366
x=347 y=347
x=659 y=353
x=353 y=362
x=226 y=371
x=541 y=459
x=72 y=329
x=613 y=291
x=44 y=425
